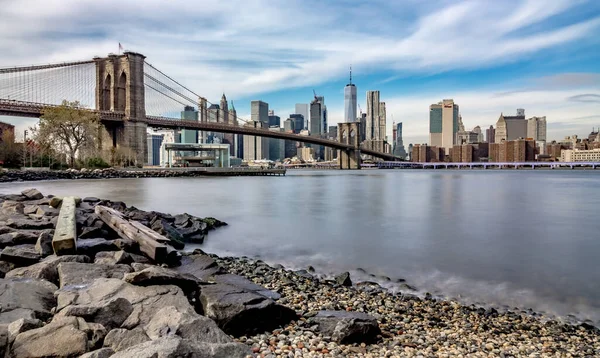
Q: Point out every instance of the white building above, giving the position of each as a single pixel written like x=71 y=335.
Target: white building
x=577 y=155
x=536 y=128
x=350 y=101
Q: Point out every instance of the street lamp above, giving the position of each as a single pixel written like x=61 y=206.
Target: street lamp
x=24 y=147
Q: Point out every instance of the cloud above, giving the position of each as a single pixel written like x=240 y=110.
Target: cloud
x=585 y=98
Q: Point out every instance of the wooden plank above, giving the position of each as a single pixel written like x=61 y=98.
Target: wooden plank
x=64 y=241
x=151 y=243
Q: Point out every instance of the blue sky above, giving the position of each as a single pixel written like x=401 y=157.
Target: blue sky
x=489 y=56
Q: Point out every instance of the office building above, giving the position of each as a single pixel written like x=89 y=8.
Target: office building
x=410 y=149
x=274 y=121
x=259 y=112
x=350 y=101
x=399 y=150
x=255 y=148
x=580 y=155
x=189 y=136
x=536 y=128
x=511 y=127
x=289 y=125
x=443 y=124
x=304 y=110
x=299 y=122
x=315 y=125
x=276 y=146
x=154 y=143
x=373 y=116
x=477 y=130
x=467 y=137
x=490 y=135
x=363 y=127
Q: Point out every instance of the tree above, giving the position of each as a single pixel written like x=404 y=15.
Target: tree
x=68 y=127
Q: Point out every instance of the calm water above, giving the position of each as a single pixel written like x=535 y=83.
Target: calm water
x=519 y=238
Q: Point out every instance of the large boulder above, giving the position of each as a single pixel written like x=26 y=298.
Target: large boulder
x=75 y=273
x=120 y=339
x=10 y=207
x=185 y=324
x=60 y=338
x=22 y=255
x=347 y=327
x=22 y=325
x=25 y=298
x=99 y=353
x=246 y=285
x=110 y=314
x=239 y=312
x=91 y=247
x=175 y=347
x=201 y=266
x=43 y=244
x=32 y=194
x=146 y=301
x=47 y=269
x=3 y=339
x=19 y=237
x=156 y=275
x=29 y=224
x=113 y=258
x=6 y=267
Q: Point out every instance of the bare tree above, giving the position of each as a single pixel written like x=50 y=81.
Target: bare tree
x=68 y=127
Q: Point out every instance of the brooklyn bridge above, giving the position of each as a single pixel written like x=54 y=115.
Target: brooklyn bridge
x=130 y=95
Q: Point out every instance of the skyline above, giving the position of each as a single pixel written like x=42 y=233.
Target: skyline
x=535 y=56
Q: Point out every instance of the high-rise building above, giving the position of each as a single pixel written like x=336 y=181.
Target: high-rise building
x=259 y=112
x=363 y=127
x=410 y=149
x=289 y=125
x=511 y=127
x=350 y=101
x=189 y=136
x=490 y=135
x=274 y=121
x=477 y=130
x=536 y=128
x=304 y=110
x=373 y=116
x=382 y=122
x=276 y=146
x=255 y=148
x=299 y=122
x=315 y=125
x=443 y=124
x=399 y=150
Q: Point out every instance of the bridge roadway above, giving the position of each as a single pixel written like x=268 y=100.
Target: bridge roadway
x=29 y=109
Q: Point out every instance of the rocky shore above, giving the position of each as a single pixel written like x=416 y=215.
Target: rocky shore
x=112 y=173
x=108 y=298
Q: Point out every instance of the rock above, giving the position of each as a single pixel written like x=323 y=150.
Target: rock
x=12 y=207
x=91 y=232
x=139 y=266
x=94 y=331
x=99 y=353
x=32 y=194
x=74 y=273
x=146 y=301
x=201 y=266
x=23 y=255
x=127 y=245
x=43 y=245
x=30 y=209
x=110 y=314
x=22 y=325
x=47 y=269
x=246 y=285
x=59 y=338
x=156 y=275
x=140 y=259
x=25 y=296
x=91 y=247
x=347 y=327
x=343 y=279
x=55 y=202
x=90 y=199
x=3 y=339
x=5 y=267
x=120 y=339
x=238 y=312
x=175 y=347
x=20 y=237
x=47 y=211
x=113 y=258
x=28 y=224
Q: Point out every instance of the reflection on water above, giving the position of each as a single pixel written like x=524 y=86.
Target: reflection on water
x=516 y=238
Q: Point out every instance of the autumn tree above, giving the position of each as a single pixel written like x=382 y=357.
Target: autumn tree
x=68 y=127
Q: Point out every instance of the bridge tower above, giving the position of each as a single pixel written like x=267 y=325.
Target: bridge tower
x=120 y=88
x=349 y=133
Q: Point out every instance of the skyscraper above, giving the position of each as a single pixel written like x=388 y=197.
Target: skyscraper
x=536 y=128
x=299 y=122
x=255 y=148
x=399 y=150
x=323 y=119
x=350 y=101
x=382 y=121
x=511 y=127
x=477 y=130
x=259 y=112
x=490 y=135
x=304 y=110
x=274 y=121
x=189 y=136
x=315 y=124
x=373 y=113
x=443 y=124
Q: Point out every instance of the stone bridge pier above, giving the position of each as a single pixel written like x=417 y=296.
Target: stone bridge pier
x=120 y=88
x=348 y=133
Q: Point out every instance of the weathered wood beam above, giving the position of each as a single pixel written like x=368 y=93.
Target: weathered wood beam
x=64 y=241
x=151 y=243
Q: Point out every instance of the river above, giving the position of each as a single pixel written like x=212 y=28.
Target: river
x=528 y=239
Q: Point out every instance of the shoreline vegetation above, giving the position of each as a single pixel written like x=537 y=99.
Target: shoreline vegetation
x=113 y=295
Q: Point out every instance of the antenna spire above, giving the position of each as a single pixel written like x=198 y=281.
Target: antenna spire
x=350 y=74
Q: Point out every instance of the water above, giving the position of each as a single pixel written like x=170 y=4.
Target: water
x=528 y=239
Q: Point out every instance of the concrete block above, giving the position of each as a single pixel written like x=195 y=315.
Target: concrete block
x=64 y=241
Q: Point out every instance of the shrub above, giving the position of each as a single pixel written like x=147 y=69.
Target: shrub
x=96 y=163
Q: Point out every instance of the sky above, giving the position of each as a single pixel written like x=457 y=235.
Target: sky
x=491 y=57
